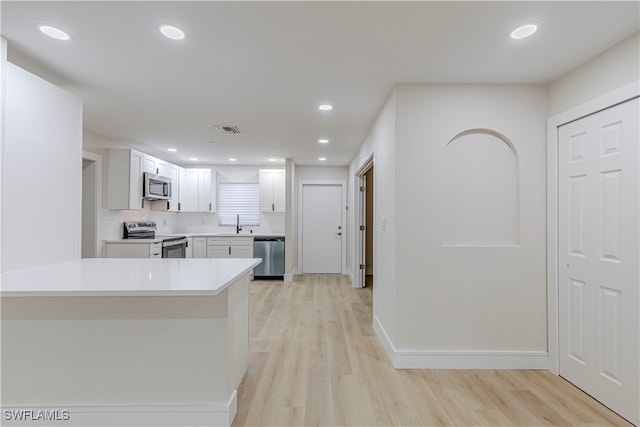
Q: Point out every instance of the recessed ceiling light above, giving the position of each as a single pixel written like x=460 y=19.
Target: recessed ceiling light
x=524 y=31
x=172 y=32
x=271 y=159
x=322 y=159
x=323 y=141
x=233 y=159
x=172 y=149
x=325 y=107
x=193 y=159
x=54 y=32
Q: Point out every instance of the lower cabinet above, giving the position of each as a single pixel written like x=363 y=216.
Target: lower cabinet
x=199 y=249
x=230 y=247
x=133 y=250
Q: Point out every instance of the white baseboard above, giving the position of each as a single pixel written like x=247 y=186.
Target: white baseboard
x=288 y=278
x=125 y=415
x=459 y=359
x=351 y=277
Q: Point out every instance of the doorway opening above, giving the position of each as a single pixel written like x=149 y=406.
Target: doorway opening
x=365 y=226
x=91 y=201
x=368 y=228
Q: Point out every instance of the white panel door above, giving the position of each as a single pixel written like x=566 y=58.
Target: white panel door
x=321 y=228
x=599 y=256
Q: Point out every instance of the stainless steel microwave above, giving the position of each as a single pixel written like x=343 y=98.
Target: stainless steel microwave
x=156 y=187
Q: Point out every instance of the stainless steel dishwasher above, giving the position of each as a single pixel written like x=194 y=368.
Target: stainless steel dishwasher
x=271 y=250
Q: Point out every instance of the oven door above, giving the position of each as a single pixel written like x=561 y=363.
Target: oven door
x=174 y=249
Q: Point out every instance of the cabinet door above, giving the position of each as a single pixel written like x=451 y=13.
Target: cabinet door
x=266 y=190
x=136 y=160
x=199 y=247
x=243 y=251
x=150 y=164
x=163 y=168
x=189 y=194
x=172 y=171
x=279 y=190
x=217 y=251
x=205 y=203
x=272 y=190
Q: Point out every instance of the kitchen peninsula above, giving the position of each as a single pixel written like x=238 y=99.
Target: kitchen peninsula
x=127 y=341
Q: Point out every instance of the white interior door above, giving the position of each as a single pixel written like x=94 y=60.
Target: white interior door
x=598 y=261
x=322 y=228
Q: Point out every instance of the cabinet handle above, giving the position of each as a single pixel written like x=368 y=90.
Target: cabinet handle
x=273 y=207
x=229 y=250
x=209 y=206
x=179 y=206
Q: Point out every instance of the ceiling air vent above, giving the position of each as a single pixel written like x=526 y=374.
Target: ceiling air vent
x=228 y=130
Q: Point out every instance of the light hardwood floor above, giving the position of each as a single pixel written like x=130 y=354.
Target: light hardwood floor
x=315 y=360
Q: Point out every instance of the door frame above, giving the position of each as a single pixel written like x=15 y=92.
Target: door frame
x=97 y=159
x=610 y=99
x=360 y=210
x=343 y=187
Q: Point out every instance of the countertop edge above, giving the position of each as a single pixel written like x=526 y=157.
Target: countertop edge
x=129 y=293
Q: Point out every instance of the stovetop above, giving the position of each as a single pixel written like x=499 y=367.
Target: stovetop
x=145 y=230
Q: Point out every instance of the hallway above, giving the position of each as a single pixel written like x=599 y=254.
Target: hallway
x=315 y=360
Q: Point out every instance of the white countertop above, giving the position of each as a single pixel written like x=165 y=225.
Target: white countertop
x=133 y=241
x=147 y=241
x=126 y=277
x=243 y=234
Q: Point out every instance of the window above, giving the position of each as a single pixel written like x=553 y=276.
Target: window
x=239 y=198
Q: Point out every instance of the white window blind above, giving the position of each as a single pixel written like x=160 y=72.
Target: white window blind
x=239 y=198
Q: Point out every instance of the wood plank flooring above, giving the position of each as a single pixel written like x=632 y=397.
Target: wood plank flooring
x=315 y=360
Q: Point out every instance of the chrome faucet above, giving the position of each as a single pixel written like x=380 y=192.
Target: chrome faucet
x=238 y=226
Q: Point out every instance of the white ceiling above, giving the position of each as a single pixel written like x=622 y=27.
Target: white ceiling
x=265 y=66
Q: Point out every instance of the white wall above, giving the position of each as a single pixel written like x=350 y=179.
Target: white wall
x=608 y=71
x=42 y=172
x=381 y=142
x=338 y=173
x=3 y=60
x=468 y=298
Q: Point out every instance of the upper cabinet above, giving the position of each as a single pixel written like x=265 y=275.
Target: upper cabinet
x=155 y=165
x=125 y=179
x=272 y=190
x=197 y=190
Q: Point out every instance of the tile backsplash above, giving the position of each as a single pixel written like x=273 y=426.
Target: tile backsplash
x=196 y=222
x=184 y=222
x=111 y=221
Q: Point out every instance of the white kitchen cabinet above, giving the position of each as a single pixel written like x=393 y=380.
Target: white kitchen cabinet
x=125 y=179
x=154 y=165
x=197 y=187
x=230 y=247
x=199 y=247
x=272 y=190
x=133 y=250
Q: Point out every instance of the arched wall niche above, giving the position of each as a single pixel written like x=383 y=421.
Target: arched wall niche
x=481 y=192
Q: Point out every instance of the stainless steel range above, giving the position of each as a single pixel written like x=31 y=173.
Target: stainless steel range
x=172 y=246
